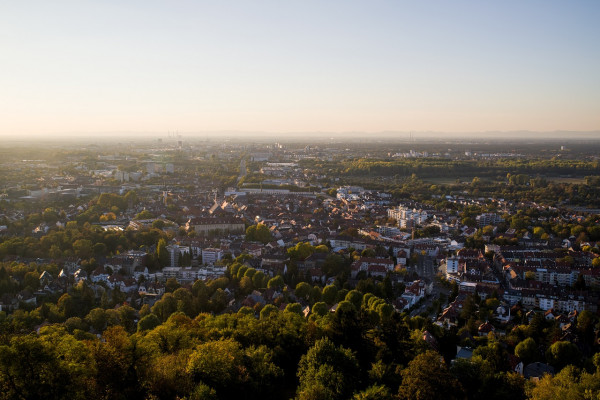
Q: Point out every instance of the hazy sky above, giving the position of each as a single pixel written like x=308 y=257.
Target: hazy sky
x=285 y=65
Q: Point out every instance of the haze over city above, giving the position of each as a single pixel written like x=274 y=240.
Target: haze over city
x=82 y=69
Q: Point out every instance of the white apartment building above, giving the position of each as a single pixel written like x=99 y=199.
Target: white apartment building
x=211 y=255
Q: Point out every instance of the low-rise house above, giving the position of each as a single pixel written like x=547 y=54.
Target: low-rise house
x=100 y=274
x=45 y=278
x=485 y=328
x=464 y=353
x=8 y=303
x=80 y=275
x=141 y=271
x=535 y=371
x=364 y=263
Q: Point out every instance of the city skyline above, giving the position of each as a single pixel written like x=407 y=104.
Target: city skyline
x=79 y=68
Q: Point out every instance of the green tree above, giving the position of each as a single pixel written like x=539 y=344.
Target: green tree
x=115 y=357
x=376 y=392
x=315 y=294
x=66 y=306
x=259 y=280
x=130 y=198
x=145 y=214
x=203 y=392
x=164 y=307
x=332 y=370
x=354 y=297
x=74 y=323
x=33 y=367
x=127 y=318
x=481 y=381
x=300 y=251
x=217 y=364
x=97 y=319
x=99 y=249
x=171 y=285
x=55 y=252
x=148 y=322
x=50 y=216
x=162 y=253
x=83 y=248
x=424 y=377
x=158 y=224
x=246 y=311
x=468 y=221
x=228 y=368
x=495 y=354
x=569 y=383
x=275 y=282
x=32 y=280
x=294 y=307
x=267 y=311
x=303 y=290
x=488 y=230
x=320 y=309
x=322 y=249
x=368 y=253
x=586 y=321
x=538 y=231
x=165 y=376
x=218 y=301
x=561 y=354
x=184 y=301
x=259 y=233
x=333 y=265
x=527 y=351
x=329 y=294
x=246 y=285
x=249 y=273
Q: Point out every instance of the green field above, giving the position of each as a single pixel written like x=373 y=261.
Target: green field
x=558 y=179
x=443 y=180
x=448 y=180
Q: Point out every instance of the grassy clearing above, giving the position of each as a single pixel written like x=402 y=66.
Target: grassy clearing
x=558 y=179
x=447 y=180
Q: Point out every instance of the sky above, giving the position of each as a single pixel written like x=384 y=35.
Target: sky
x=85 y=67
